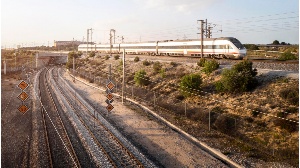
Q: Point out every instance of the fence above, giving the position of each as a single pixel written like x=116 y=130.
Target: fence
x=216 y=122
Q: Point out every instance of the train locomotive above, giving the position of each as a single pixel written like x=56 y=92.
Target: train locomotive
x=224 y=47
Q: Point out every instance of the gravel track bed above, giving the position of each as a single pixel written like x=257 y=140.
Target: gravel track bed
x=61 y=149
x=116 y=133
x=81 y=153
x=98 y=157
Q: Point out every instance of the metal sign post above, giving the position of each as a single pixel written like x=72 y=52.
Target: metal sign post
x=123 y=82
x=23 y=96
x=109 y=90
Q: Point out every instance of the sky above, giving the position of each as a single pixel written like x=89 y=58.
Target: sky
x=41 y=22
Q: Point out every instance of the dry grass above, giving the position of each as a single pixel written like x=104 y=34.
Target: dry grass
x=248 y=109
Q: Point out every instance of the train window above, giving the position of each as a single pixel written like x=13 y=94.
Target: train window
x=237 y=43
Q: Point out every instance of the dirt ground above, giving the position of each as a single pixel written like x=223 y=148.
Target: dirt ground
x=15 y=127
x=165 y=146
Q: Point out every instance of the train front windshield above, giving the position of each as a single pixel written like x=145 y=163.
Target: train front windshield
x=237 y=43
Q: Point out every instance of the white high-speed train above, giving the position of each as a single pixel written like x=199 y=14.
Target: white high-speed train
x=224 y=47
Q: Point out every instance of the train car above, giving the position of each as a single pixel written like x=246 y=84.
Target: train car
x=149 y=48
x=227 y=47
x=224 y=47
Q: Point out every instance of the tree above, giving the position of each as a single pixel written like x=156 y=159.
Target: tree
x=283 y=43
x=190 y=84
x=72 y=55
x=251 y=47
x=275 y=42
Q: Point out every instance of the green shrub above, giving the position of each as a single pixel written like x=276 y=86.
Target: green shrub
x=189 y=84
x=106 y=57
x=240 y=78
x=141 y=79
x=251 y=47
x=136 y=59
x=162 y=73
x=117 y=57
x=146 y=63
x=157 y=67
x=210 y=66
x=201 y=62
x=287 y=56
x=291 y=95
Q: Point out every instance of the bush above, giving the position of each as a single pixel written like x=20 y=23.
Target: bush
x=92 y=54
x=189 y=84
x=291 y=95
x=179 y=97
x=106 y=57
x=157 y=67
x=136 y=59
x=292 y=110
x=287 y=56
x=281 y=114
x=210 y=66
x=287 y=125
x=146 y=63
x=225 y=124
x=251 y=47
x=162 y=73
x=240 y=78
x=141 y=79
x=201 y=62
x=174 y=64
x=117 y=57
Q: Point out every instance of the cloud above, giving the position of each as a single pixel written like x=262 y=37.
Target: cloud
x=178 y=5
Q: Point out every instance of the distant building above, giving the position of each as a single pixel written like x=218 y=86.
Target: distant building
x=69 y=43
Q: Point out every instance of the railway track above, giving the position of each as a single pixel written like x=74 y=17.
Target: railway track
x=60 y=150
x=116 y=153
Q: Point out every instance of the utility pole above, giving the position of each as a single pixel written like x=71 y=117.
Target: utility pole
x=206 y=30
x=201 y=32
x=91 y=38
x=209 y=31
x=114 y=36
x=123 y=82
x=110 y=39
x=87 y=42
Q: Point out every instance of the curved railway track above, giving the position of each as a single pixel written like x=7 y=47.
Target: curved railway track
x=60 y=150
x=116 y=152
